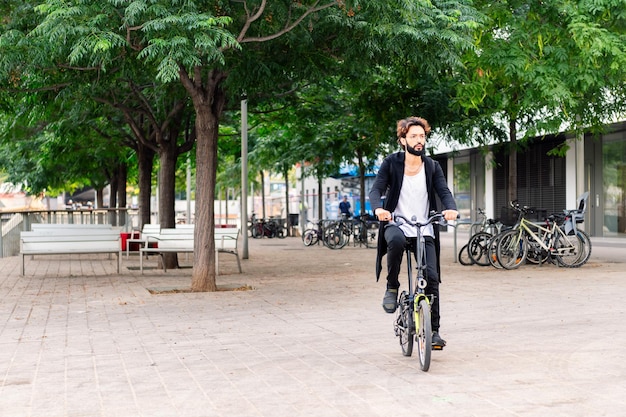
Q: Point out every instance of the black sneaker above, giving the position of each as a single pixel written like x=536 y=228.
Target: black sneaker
x=390 y=300
x=438 y=342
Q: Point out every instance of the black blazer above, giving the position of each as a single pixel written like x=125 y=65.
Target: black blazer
x=388 y=183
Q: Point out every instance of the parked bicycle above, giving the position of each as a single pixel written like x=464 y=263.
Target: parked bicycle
x=365 y=232
x=260 y=228
x=341 y=231
x=413 y=316
x=476 y=249
x=317 y=232
x=556 y=239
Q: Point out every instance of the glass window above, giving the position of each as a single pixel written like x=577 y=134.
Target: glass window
x=614 y=176
x=462 y=190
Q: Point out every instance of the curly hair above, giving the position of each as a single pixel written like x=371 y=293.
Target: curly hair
x=405 y=124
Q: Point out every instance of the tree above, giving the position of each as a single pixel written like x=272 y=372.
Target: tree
x=219 y=50
x=539 y=67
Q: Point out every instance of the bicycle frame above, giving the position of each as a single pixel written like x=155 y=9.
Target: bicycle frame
x=524 y=227
x=417 y=291
x=551 y=232
x=416 y=288
x=413 y=319
x=539 y=243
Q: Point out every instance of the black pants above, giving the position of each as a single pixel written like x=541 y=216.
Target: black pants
x=396 y=242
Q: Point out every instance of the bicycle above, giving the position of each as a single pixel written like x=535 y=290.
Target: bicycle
x=570 y=248
x=260 y=228
x=341 y=231
x=476 y=250
x=413 y=316
x=365 y=232
x=315 y=232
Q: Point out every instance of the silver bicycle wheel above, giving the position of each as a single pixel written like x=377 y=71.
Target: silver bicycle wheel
x=424 y=334
x=572 y=251
x=512 y=249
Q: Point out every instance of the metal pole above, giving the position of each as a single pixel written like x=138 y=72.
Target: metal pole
x=244 y=176
x=188 y=185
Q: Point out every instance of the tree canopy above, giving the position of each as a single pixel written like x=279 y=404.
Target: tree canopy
x=325 y=80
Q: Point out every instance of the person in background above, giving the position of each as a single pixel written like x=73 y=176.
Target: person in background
x=344 y=208
x=410 y=181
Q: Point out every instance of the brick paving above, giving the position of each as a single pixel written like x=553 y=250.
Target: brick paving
x=306 y=336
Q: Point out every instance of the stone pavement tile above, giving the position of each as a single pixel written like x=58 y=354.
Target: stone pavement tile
x=308 y=339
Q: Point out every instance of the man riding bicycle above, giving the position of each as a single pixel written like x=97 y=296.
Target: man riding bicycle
x=410 y=182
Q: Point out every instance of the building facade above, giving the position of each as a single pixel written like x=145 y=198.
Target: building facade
x=549 y=183
x=593 y=163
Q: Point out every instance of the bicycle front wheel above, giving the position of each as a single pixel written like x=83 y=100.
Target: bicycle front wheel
x=512 y=249
x=424 y=334
x=257 y=231
x=478 y=248
x=464 y=258
x=310 y=237
x=334 y=237
x=492 y=246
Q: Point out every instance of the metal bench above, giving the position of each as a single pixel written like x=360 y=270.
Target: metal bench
x=226 y=240
x=168 y=241
x=74 y=240
x=182 y=241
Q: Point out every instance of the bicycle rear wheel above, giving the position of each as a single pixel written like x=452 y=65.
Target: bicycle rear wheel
x=512 y=249
x=572 y=251
x=404 y=324
x=424 y=334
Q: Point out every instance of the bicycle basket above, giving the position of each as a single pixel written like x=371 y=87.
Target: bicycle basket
x=508 y=216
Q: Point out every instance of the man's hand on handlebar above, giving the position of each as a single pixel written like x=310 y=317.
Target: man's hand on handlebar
x=383 y=215
x=450 y=215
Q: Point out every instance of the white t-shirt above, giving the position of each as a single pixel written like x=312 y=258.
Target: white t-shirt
x=414 y=202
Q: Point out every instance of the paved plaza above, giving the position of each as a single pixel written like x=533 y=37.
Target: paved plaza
x=301 y=333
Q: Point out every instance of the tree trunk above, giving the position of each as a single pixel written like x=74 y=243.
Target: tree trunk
x=167 y=185
x=145 y=157
x=208 y=100
x=122 y=178
x=203 y=277
x=361 y=181
x=320 y=199
x=512 y=186
x=99 y=198
x=114 y=183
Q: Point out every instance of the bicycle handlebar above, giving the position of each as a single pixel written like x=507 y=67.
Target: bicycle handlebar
x=435 y=218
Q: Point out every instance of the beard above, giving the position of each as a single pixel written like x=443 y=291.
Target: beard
x=413 y=151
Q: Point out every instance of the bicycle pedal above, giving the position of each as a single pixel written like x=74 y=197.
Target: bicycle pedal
x=437 y=347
